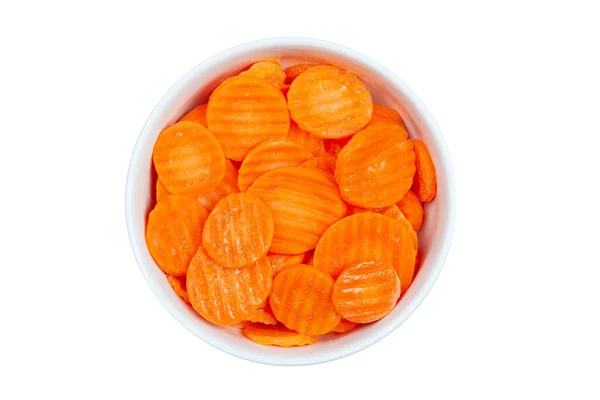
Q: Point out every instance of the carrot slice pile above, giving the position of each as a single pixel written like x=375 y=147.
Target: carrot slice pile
x=279 y=262
x=411 y=207
x=385 y=114
x=303 y=138
x=228 y=185
x=425 y=182
x=198 y=114
x=178 y=285
x=325 y=162
x=276 y=336
x=269 y=71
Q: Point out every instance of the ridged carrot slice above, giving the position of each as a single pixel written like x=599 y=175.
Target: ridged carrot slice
x=198 y=115
x=178 y=285
x=245 y=111
x=301 y=300
x=366 y=292
x=303 y=138
x=304 y=203
x=329 y=102
x=276 y=336
x=425 y=182
x=279 y=262
x=376 y=167
x=411 y=207
x=226 y=296
x=344 y=326
x=238 y=231
x=161 y=191
x=188 y=159
x=228 y=185
x=325 y=162
x=263 y=315
x=385 y=114
x=269 y=71
x=367 y=237
x=393 y=212
x=174 y=232
x=268 y=156
x=295 y=70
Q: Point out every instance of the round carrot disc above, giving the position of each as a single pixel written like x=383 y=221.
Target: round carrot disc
x=276 y=336
x=367 y=237
x=268 y=156
x=301 y=300
x=198 y=115
x=344 y=326
x=268 y=71
x=238 y=231
x=188 y=159
x=161 y=191
x=366 y=292
x=279 y=262
x=174 y=232
x=303 y=138
x=295 y=70
x=411 y=207
x=425 y=182
x=325 y=162
x=304 y=203
x=393 y=212
x=376 y=167
x=178 y=285
x=329 y=102
x=227 y=296
x=228 y=185
x=385 y=114
x=245 y=111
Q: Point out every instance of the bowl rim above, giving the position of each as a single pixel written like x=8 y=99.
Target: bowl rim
x=427 y=119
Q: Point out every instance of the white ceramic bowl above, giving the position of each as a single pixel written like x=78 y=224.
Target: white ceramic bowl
x=193 y=89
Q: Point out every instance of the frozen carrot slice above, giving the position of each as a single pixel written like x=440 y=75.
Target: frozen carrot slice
x=376 y=167
x=425 y=182
x=161 y=191
x=344 y=326
x=385 y=114
x=263 y=315
x=228 y=185
x=367 y=237
x=411 y=207
x=303 y=138
x=268 y=156
x=295 y=70
x=238 y=231
x=329 y=102
x=269 y=71
x=304 y=203
x=188 y=159
x=245 y=111
x=393 y=212
x=334 y=146
x=178 y=285
x=276 y=336
x=198 y=115
x=174 y=232
x=366 y=292
x=301 y=300
x=226 y=296
x=279 y=262
x=325 y=162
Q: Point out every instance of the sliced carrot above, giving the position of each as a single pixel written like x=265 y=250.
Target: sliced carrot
x=376 y=167
x=366 y=292
x=425 y=182
x=268 y=156
x=178 y=285
x=228 y=185
x=174 y=232
x=188 y=159
x=411 y=207
x=276 y=336
x=245 y=111
x=263 y=315
x=295 y=70
x=269 y=71
x=279 y=262
x=325 y=162
x=226 y=296
x=304 y=203
x=344 y=326
x=303 y=138
x=329 y=102
x=301 y=300
x=198 y=115
x=238 y=231
x=161 y=191
x=385 y=114
x=393 y=212
x=367 y=237
x=334 y=146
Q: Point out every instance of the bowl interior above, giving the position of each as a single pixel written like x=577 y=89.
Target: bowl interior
x=194 y=89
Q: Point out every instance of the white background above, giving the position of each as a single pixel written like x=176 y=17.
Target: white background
x=515 y=88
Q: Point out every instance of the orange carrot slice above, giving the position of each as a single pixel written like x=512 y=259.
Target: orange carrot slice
x=238 y=231
x=385 y=114
x=198 y=115
x=304 y=203
x=329 y=102
x=295 y=70
x=325 y=162
x=393 y=212
x=245 y=111
x=276 y=336
x=178 y=285
x=279 y=262
x=161 y=191
x=376 y=167
x=268 y=71
x=268 y=156
x=227 y=296
x=367 y=237
x=228 y=185
x=411 y=207
x=263 y=316
x=344 y=326
x=425 y=182
x=366 y=292
x=174 y=232
x=301 y=300
x=188 y=159
x=303 y=138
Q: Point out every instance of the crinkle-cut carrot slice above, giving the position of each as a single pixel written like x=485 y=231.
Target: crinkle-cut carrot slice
x=411 y=207
x=385 y=114
x=161 y=191
x=188 y=159
x=268 y=156
x=178 y=285
x=334 y=146
x=344 y=326
x=174 y=232
x=366 y=292
x=279 y=262
x=269 y=71
x=228 y=185
x=325 y=162
x=367 y=237
x=277 y=335
x=304 y=203
x=393 y=212
x=198 y=115
x=263 y=315
x=425 y=182
x=376 y=167
x=238 y=231
x=329 y=102
x=245 y=111
x=295 y=70
x=301 y=300
x=226 y=296
x=303 y=138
